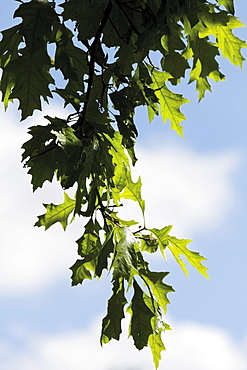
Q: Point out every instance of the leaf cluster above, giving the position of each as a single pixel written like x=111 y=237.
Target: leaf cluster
x=118 y=55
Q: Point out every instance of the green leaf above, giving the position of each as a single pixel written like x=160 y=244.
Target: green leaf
x=178 y=247
x=162 y=237
x=148 y=243
x=43 y=165
x=221 y=27
x=79 y=273
x=10 y=43
x=89 y=247
x=87 y=13
x=32 y=79
x=155 y=340
x=6 y=84
x=71 y=60
x=175 y=64
x=140 y=325
x=8 y=51
x=228 y=4
x=132 y=191
x=125 y=259
x=67 y=137
x=157 y=346
x=159 y=289
x=170 y=102
x=107 y=249
x=158 y=325
x=57 y=213
x=202 y=83
x=206 y=53
x=111 y=324
x=38 y=18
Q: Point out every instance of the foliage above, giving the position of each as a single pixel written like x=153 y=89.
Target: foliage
x=114 y=55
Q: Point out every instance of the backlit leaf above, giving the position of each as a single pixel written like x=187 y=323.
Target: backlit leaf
x=57 y=213
x=159 y=289
x=178 y=247
x=228 y=4
x=170 y=102
x=132 y=190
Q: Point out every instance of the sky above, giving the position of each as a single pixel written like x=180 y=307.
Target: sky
x=198 y=184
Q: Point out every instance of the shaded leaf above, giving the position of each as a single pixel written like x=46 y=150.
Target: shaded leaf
x=140 y=325
x=79 y=273
x=38 y=18
x=32 y=79
x=111 y=324
x=107 y=249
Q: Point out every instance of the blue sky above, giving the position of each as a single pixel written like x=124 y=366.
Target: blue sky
x=198 y=184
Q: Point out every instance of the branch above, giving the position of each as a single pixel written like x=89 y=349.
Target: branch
x=97 y=36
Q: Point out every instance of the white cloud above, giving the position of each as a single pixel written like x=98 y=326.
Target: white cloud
x=31 y=260
x=187 y=189
x=203 y=347
x=190 y=346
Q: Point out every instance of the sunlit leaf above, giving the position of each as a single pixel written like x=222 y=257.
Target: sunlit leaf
x=159 y=289
x=57 y=213
x=170 y=102
x=178 y=247
x=132 y=191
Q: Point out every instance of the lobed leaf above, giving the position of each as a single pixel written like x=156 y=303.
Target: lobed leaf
x=162 y=237
x=159 y=289
x=111 y=324
x=228 y=4
x=32 y=79
x=221 y=26
x=57 y=213
x=79 y=273
x=170 y=102
x=141 y=315
x=38 y=19
x=132 y=190
x=178 y=247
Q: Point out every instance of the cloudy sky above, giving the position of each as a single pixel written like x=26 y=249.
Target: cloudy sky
x=197 y=184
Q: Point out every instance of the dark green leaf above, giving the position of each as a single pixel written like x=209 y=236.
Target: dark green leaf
x=79 y=273
x=32 y=79
x=141 y=315
x=38 y=18
x=111 y=324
